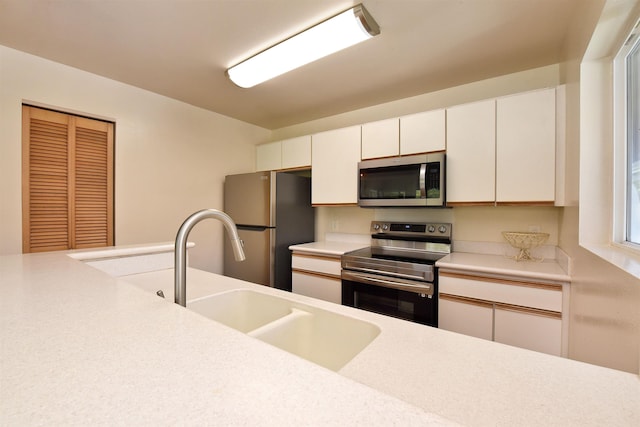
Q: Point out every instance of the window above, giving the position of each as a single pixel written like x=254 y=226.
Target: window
x=67 y=181
x=633 y=144
x=627 y=92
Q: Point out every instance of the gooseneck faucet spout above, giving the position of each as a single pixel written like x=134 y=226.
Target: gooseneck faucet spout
x=180 y=267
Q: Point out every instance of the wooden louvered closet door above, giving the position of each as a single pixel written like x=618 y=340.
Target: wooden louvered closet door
x=67 y=182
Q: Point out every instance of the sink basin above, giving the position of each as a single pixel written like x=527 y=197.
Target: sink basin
x=243 y=310
x=326 y=338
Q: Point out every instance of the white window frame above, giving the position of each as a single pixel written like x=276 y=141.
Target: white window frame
x=621 y=143
x=599 y=202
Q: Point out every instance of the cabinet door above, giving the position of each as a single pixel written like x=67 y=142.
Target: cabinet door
x=465 y=316
x=471 y=148
x=334 y=166
x=269 y=156
x=381 y=139
x=528 y=329
x=296 y=152
x=526 y=147
x=317 y=286
x=422 y=132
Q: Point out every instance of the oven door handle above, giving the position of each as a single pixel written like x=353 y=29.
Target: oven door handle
x=403 y=285
x=426 y=276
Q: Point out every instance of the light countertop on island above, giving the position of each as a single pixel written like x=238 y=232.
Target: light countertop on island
x=80 y=347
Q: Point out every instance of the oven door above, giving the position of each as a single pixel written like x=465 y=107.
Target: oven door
x=405 y=299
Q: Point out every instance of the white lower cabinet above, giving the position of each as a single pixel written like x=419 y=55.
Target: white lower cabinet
x=465 y=316
x=317 y=286
x=524 y=314
x=538 y=331
x=316 y=276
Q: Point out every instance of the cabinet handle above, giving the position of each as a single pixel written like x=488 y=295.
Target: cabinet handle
x=466 y=300
x=528 y=310
x=315 y=273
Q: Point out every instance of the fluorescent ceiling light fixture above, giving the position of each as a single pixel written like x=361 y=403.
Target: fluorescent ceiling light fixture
x=350 y=27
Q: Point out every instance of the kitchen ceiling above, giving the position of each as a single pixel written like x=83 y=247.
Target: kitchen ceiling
x=181 y=48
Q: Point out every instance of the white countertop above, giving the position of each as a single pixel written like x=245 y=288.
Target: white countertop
x=548 y=270
x=80 y=347
x=335 y=248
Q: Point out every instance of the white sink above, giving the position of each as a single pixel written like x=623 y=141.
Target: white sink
x=243 y=310
x=320 y=336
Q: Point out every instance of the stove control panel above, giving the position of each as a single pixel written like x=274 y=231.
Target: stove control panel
x=411 y=229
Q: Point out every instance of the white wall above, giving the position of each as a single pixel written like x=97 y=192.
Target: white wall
x=604 y=324
x=170 y=157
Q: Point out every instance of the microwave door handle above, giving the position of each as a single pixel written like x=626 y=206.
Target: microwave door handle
x=423 y=180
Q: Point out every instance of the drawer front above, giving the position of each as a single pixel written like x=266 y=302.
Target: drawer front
x=315 y=263
x=321 y=287
x=526 y=294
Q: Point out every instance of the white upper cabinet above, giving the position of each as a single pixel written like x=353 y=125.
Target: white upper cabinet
x=287 y=154
x=471 y=151
x=269 y=156
x=526 y=147
x=423 y=132
x=334 y=169
x=296 y=152
x=381 y=139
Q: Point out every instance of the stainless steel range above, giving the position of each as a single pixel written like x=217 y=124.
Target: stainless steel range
x=397 y=276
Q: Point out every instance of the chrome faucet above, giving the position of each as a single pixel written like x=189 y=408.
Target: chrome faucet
x=180 y=267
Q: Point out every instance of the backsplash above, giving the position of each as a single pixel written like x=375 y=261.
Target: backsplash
x=475 y=229
x=476 y=224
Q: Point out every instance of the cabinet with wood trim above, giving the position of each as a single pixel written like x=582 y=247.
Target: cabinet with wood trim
x=522 y=313
x=293 y=153
x=471 y=148
x=503 y=151
x=381 y=139
x=526 y=148
x=317 y=276
x=334 y=166
x=423 y=132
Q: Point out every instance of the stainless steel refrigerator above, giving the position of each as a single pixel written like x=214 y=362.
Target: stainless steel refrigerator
x=272 y=211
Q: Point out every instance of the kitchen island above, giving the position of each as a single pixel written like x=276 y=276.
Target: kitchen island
x=80 y=347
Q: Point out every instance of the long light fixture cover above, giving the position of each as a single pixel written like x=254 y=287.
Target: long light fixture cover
x=350 y=27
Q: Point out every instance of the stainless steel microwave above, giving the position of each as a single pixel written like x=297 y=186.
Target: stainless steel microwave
x=417 y=180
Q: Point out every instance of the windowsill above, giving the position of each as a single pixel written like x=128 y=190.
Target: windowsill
x=621 y=258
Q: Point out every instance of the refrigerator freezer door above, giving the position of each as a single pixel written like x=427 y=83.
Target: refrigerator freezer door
x=248 y=198
x=258 y=250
